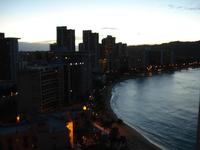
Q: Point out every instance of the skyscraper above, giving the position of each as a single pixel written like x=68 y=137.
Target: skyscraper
x=8 y=58
x=90 y=42
x=8 y=101
x=91 y=46
x=2 y=36
x=108 y=45
x=41 y=88
x=65 y=40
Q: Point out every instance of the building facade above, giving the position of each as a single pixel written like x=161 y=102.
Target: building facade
x=65 y=40
x=91 y=46
x=107 y=47
x=41 y=88
x=8 y=58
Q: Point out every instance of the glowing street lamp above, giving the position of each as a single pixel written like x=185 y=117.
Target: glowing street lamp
x=18 y=119
x=84 y=108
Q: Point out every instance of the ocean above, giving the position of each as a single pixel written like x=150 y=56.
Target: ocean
x=163 y=107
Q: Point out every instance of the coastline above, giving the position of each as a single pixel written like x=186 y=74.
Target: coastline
x=135 y=140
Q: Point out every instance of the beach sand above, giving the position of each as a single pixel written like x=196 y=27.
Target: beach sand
x=135 y=140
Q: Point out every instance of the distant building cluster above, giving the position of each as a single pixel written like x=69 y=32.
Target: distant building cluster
x=46 y=81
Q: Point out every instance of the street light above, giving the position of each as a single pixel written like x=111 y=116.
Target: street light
x=84 y=108
x=18 y=118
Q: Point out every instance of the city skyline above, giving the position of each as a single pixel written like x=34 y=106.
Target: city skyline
x=132 y=22
x=65 y=97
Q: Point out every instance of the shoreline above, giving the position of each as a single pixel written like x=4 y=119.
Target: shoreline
x=135 y=139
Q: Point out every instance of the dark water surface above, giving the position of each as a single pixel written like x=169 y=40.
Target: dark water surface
x=163 y=107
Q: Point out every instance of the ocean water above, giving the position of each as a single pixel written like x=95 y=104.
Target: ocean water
x=164 y=107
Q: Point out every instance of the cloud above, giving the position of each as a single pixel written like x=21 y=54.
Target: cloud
x=175 y=7
x=109 y=28
x=25 y=46
x=184 y=8
x=44 y=42
x=194 y=8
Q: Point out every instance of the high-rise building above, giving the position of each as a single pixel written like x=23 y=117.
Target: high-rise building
x=91 y=46
x=77 y=74
x=41 y=88
x=8 y=58
x=8 y=101
x=108 y=45
x=65 y=40
x=2 y=35
x=90 y=41
x=119 y=58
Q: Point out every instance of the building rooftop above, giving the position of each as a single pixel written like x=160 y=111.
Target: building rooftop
x=52 y=122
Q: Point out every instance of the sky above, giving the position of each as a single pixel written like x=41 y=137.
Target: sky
x=130 y=21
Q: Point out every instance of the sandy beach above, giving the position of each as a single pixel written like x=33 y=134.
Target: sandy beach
x=135 y=140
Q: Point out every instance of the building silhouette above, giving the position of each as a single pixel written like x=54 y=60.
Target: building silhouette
x=8 y=101
x=77 y=74
x=76 y=70
x=8 y=58
x=35 y=132
x=107 y=47
x=8 y=78
x=41 y=88
x=92 y=47
x=119 y=58
x=2 y=35
x=65 y=41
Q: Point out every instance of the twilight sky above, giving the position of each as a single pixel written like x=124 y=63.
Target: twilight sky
x=130 y=21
